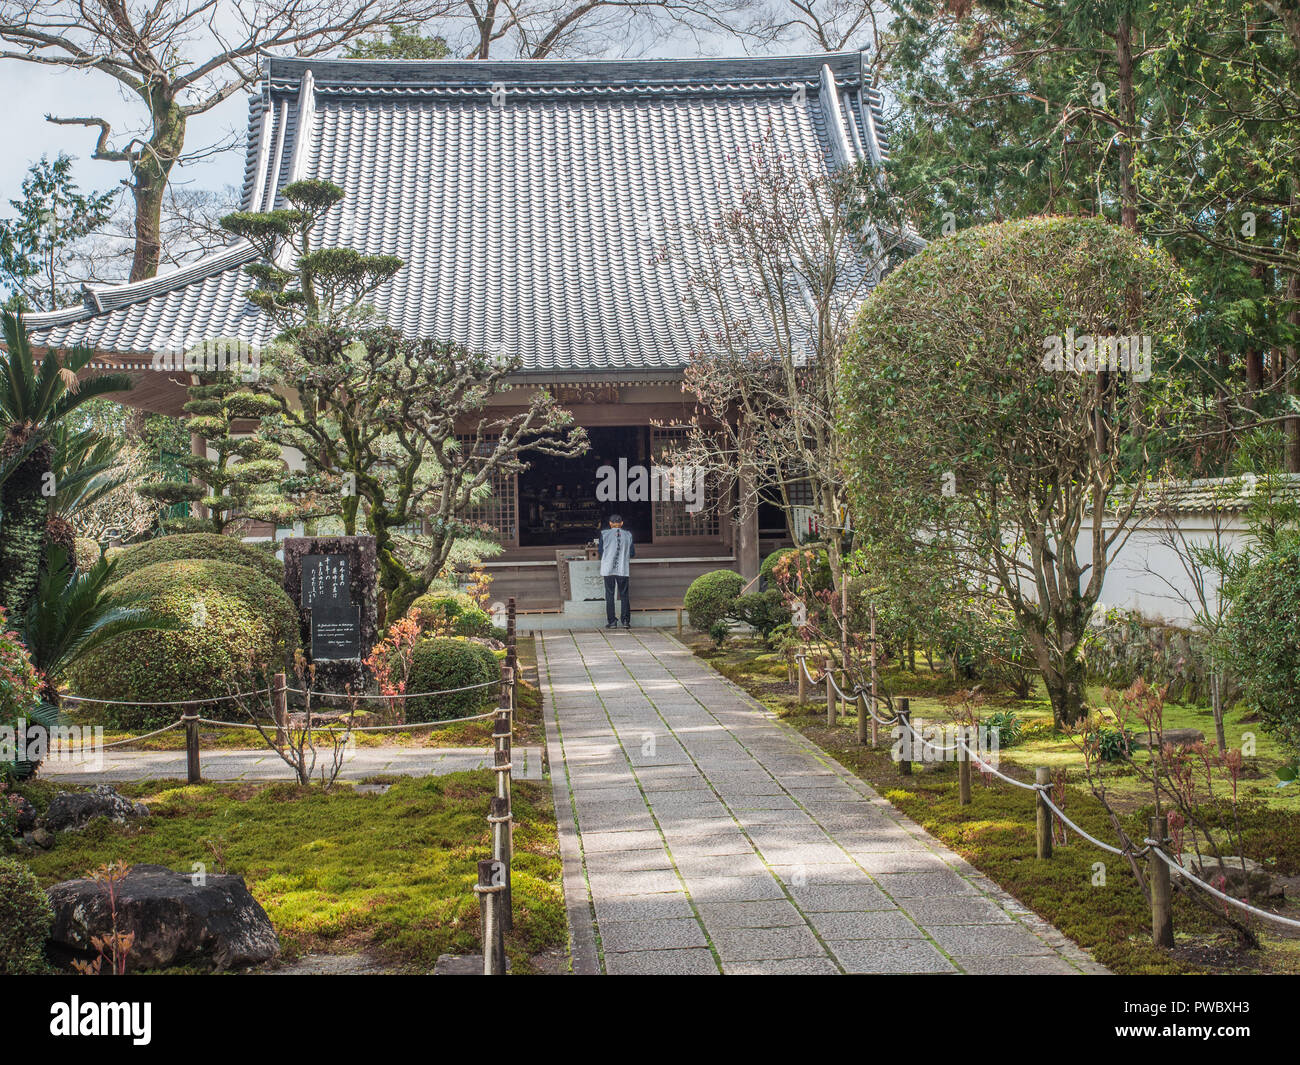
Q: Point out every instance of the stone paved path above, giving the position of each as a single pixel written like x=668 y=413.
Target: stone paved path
x=263 y=765
x=700 y=836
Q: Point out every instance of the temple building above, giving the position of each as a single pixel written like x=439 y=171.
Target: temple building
x=526 y=199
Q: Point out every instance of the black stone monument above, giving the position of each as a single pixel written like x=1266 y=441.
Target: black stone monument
x=332 y=580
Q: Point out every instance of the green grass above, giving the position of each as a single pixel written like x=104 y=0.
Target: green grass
x=335 y=870
x=996 y=832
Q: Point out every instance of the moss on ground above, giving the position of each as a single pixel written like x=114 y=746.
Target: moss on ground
x=390 y=873
x=996 y=832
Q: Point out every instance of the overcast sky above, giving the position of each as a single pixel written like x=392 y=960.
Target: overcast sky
x=31 y=92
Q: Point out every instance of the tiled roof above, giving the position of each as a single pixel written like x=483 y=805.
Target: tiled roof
x=1226 y=494
x=525 y=197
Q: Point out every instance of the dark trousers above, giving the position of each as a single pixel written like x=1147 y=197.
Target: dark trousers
x=621 y=583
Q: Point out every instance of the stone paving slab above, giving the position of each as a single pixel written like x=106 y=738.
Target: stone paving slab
x=700 y=835
x=359 y=762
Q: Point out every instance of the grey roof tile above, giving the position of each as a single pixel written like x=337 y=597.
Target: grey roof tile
x=530 y=227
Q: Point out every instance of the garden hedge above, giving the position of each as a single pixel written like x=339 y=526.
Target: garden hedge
x=25 y=921
x=237 y=625
x=199 y=545
x=442 y=663
x=710 y=597
x=464 y=615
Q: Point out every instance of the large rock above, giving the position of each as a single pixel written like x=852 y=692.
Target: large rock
x=1173 y=737
x=76 y=809
x=1255 y=881
x=174 y=920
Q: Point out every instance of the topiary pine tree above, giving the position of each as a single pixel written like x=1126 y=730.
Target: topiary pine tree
x=239 y=477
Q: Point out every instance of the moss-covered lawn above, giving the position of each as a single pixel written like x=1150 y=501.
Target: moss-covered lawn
x=996 y=832
x=338 y=871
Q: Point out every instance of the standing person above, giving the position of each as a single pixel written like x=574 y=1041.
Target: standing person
x=615 y=549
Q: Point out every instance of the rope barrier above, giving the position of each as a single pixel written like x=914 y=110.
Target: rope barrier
x=1091 y=839
x=358 y=728
x=147 y=735
x=403 y=695
x=1174 y=867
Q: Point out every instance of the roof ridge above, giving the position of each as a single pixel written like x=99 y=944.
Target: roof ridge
x=604 y=72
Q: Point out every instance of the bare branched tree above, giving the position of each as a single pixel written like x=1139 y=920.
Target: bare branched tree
x=777 y=276
x=179 y=58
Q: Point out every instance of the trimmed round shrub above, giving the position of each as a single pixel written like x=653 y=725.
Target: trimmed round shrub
x=1261 y=640
x=473 y=621
x=769 y=564
x=199 y=546
x=710 y=597
x=235 y=625
x=443 y=663
x=25 y=921
x=799 y=570
x=761 y=611
x=444 y=607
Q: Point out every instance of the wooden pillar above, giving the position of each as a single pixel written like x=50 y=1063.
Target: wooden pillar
x=193 y=774
x=905 y=723
x=1162 y=915
x=1043 y=777
x=280 y=709
x=963 y=766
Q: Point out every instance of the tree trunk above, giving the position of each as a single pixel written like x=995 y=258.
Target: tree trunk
x=1066 y=688
x=150 y=171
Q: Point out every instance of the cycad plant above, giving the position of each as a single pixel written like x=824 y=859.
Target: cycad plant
x=34 y=399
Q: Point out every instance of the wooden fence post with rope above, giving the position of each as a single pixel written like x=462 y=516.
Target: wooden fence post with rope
x=280 y=708
x=512 y=650
x=192 y=772
x=905 y=736
x=1162 y=915
x=1043 y=826
x=828 y=669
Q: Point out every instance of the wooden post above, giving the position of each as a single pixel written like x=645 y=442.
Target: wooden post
x=863 y=716
x=192 y=747
x=1162 y=915
x=501 y=765
x=512 y=649
x=1043 y=776
x=500 y=819
x=280 y=708
x=803 y=680
x=508 y=693
x=830 y=691
x=679 y=620
x=490 y=892
x=905 y=723
x=963 y=767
